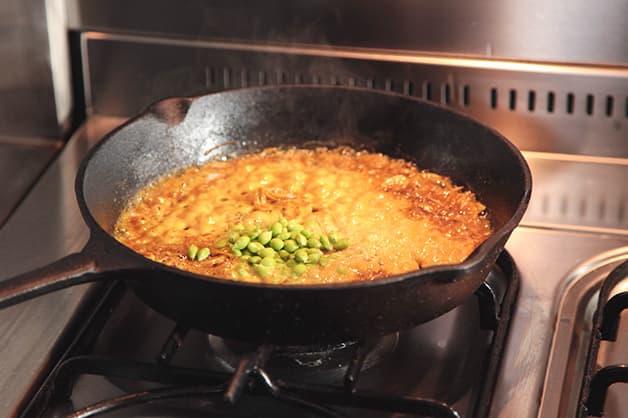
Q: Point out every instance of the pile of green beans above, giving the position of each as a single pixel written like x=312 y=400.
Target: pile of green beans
x=281 y=247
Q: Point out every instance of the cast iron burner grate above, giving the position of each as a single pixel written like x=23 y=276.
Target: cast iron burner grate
x=219 y=393
x=605 y=325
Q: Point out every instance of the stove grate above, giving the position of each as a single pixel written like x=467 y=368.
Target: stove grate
x=605 y=325
x=252 y=377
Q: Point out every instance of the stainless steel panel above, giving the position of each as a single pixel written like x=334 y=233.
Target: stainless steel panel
x=547 y=259
x=21 y=163
x=31 y=104
x=572 y=335
x=46 y=226
x=540 y=107
x=579 y=192
x=535 y=30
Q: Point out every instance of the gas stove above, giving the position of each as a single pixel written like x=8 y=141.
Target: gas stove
x=543 y=337
x=518 y=347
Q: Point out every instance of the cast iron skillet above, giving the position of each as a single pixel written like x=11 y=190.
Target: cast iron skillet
x=176 y=133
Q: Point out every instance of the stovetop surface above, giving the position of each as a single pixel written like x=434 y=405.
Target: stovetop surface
x=48 y=225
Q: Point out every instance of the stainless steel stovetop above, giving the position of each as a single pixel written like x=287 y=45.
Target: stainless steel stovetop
x=549 y=323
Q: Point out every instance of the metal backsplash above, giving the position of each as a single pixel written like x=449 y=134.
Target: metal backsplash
x=576 y=31
x=572 y=109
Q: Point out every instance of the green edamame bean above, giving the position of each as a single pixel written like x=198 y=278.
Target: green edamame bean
x=325 y=243
x=314 y=258
x=242 y=242
x=301 y=240
x=261 y=270
x=301 y=255
x=314 y=243
x=203 y=253
x=290 y=245
x=255 y=259
x=276 y=229
x=284 y=255
x=192 y=251
x=299 y=269
x=268 y=262
x=267 y=252
x=264 y=237
x=341 y=244
x=276 y=244
x=254 y=247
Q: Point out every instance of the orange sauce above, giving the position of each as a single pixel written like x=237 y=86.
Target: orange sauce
x=396 y=217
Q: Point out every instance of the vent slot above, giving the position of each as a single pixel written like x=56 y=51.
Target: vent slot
x=261 y=78
x=551 y=102
x=280 y=77
x=590 y=104
x=445 y=94
x=531 y=101
x=244 y=78
x=570 y=103
x=512 y=99
x=465 y=96
x=493 y=98
x=608 y=109
x=226 y=78
x=427 y=90
x=408 y=88
x=210 y=76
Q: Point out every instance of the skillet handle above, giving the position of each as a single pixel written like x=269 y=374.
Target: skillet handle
x=70 y=270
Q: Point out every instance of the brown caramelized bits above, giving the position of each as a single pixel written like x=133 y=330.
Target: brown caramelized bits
x=396 y=217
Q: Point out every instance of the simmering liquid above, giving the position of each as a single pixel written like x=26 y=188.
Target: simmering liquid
x=395 y=217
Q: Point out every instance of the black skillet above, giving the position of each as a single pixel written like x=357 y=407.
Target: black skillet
x=180 y=132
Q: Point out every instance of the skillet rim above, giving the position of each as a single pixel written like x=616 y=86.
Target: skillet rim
x=474 y=261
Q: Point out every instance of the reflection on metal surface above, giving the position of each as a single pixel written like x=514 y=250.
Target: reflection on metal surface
x=391 y=55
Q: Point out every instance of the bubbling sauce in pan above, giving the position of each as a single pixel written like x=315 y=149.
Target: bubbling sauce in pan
x=394 y=217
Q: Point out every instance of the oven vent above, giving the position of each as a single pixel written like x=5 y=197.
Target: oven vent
x=448 y=94
x=588 y=104
x=570 y=113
